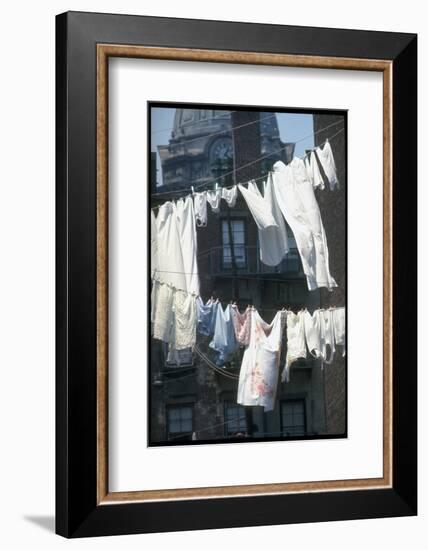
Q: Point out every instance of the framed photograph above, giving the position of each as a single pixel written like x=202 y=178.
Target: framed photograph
x=236 y=247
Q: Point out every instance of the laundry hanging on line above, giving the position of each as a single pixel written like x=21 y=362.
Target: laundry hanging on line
x=288 y=194
x=272 y=233
x=258 y=376
x=296 y=199
x=317 y=335
x=174 y=240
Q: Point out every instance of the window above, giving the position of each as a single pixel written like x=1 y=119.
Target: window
x=238 y=235
x=293 y=417
x=179 y=422
x=235 y=420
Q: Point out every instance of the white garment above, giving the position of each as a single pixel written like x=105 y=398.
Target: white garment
x=339 y=322
x=188 y=242
x=296 y=345
x=200 y=206
x=329 y=166
x=273 y=240
x=313 y=171
x=296 y=199
x=214 y=197
x=313 y=334
x=162 y=312
x=176 y=280
x=258 y=377
x=153 y=244
x=259 y=207
x=170 y=257
x=174 y=316
x=230 y=195
x=328 y=330
x=183 y=333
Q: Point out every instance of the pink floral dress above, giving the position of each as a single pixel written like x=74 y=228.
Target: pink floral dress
x=258 y=378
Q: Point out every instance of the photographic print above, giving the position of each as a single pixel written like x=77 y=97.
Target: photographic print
x=232 y=226
x=248 y=274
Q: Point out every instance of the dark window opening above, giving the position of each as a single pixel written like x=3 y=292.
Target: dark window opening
x=179 y=422
x=293 y=417
x=235 y=420
x=239 y=248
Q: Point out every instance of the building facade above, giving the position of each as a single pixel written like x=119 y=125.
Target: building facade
x=189 y=399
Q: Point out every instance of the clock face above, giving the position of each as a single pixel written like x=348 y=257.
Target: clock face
x=222 y=150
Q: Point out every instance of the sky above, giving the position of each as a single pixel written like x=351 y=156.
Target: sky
x=292 y=128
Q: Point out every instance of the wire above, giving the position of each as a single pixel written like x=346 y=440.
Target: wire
x=271 y=154
x=178 y=379
x=210 y=364
x=185 y=125
x=181 y=190
x=213 y=180
x=221 y=132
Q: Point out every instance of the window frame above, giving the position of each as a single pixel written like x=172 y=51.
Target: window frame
x=286 y=401
x=224 y=265
x=179 y=436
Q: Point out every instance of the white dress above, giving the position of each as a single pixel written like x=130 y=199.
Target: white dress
x=258 y=377
x=272 y=233
x=296 y=199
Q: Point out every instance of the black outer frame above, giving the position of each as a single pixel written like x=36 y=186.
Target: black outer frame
x=77 y=513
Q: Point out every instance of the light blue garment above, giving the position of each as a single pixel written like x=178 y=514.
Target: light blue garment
x=206 y=316
x=224 y=341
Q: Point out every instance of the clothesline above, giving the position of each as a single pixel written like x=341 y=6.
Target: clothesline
x=225 y=302
x=189 y=194
x=219 y=132
x=186 y=124
x=213 y=366
x=281 y=199
x=213 y=180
